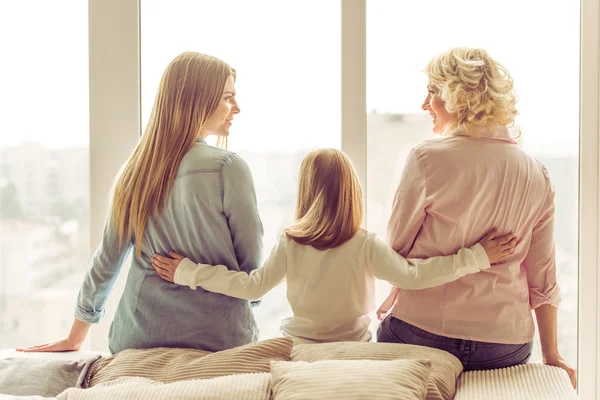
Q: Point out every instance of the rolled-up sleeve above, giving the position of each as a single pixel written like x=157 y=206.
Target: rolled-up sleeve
x=540 y=262
x=100 y=278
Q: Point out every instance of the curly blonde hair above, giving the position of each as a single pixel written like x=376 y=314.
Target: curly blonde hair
x=476 y=89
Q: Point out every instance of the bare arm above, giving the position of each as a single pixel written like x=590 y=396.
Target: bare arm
x=544 y=292
x=546 y=316
x=97 y=285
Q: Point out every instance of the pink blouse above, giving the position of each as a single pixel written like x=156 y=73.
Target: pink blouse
x=452 y=192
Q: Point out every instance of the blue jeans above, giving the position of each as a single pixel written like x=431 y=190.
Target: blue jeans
x=473 y=355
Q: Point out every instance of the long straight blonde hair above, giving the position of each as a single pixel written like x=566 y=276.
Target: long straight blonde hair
x=189 y=92
x=329 y=210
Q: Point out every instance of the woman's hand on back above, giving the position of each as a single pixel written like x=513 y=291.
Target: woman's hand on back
x=166 y=266
x=498 y=248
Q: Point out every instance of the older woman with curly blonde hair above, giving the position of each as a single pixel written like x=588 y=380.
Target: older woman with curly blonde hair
x=453 y=190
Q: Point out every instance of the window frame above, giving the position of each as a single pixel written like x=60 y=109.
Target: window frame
x=115 y=114
x=115 y=127
x=589 y=184
x=354 y=87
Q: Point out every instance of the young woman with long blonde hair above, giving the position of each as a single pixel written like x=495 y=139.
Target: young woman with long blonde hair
x=176 y=192
x=330 y=262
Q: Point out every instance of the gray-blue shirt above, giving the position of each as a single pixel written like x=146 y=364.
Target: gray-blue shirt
x=211 y=217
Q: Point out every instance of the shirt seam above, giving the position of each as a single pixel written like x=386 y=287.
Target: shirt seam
x=222 y=181
x=543 y=209
x=420 y=155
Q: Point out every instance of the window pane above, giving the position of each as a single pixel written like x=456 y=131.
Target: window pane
x=544 y=62
x=287 y=58
x=44 y=172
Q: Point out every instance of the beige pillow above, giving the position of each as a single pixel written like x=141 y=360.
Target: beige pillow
x=170 y=365
x=445 y=368
x=238 y=387
x=350 y=379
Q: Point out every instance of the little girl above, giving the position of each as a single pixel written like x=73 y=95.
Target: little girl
x=329 y=261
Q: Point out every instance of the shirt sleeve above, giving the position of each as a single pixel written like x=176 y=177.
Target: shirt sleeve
x=409 y=207
x=241 y=210
x=220 y=279
x=414 y=274
x=100 y=278
x=540 y=262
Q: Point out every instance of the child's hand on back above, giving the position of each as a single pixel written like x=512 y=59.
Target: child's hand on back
x=498 y=248
x=166 y=266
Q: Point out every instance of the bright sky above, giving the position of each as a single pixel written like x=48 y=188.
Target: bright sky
x=289 y=66
x=536 y=40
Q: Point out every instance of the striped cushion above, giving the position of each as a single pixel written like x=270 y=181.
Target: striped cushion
x=238 y=387
x=445 y=368
x=350 y=379
x=522 y=382
x=170 y=365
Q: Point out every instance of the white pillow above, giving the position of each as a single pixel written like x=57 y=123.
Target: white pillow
x=350 y=379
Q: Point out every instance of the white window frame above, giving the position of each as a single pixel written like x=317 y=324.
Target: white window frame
x=589 y=184
x=354 y=87
x=115 y=109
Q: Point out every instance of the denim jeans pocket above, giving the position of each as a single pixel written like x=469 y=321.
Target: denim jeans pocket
x=399 y=325
x=408 y=334
x=385 y=334
x=492 y=356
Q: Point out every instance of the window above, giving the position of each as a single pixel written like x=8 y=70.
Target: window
x=401 y=39
x=288 y=89
x=46 y=72
x=44 y=173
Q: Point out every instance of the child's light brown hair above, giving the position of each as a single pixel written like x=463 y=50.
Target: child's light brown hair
x=329 y=210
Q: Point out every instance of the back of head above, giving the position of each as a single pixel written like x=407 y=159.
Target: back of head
x=329 y=210
x=189 y=92
x=476 y=89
